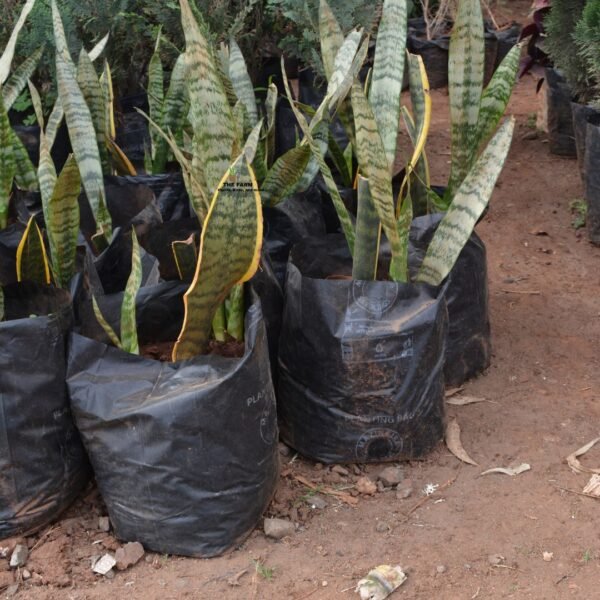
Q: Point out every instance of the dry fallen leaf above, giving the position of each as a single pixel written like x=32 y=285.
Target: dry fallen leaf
x=593 y=486
x=464 y=400
x=454 y=444
x=575 y=465
x=512 y=471
x=453 y=391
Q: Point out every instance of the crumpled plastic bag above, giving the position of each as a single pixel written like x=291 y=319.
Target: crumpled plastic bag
x=380 y=582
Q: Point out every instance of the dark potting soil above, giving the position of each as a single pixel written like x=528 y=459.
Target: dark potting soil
x=163 y=351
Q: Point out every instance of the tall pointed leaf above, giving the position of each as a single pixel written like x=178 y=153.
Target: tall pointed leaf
x=186 y=256
x=61 y=215
x=110 y=332
x=80 y=125
x=18 y=80
x=283 y=177
x=242 y=84
x=388 y=71
x=368 y=235
x=8 y=167
x=465 y=86
x=129 y=338
x=32 y=261
x=9 y=50
x=469 y=202
x=25 y=176
x=210 y=115
x=229 y=254
x=156 y=93
x=373 y=164
x=331 y=37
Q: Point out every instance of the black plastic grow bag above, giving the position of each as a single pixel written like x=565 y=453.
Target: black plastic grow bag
x=360 y=363
x=582 y=114
x=561 y=137
x=185 y=454
x=469 y=347
x=591 y=180
x=43 y=466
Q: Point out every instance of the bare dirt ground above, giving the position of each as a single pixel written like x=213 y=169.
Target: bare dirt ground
x=478 y=537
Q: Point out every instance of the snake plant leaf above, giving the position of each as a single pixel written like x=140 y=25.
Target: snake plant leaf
x=269 y=135
x=242 y=84
x=234 y=311
x=465 y=86
x=373 y=163
x=251 y=145
x=110 y=332
x=156 y=90
x=25 y=176
x=9 y=50
x=18 y=80
x=368 y=235
x=32 y=260
x=331 y=37
x=418 y=182
x=109 y=101
x=120 y=161
x=175 y=109
x=388 y=71
x=129 y=338
x=229 y=254
x=8 y=167
x=496 y=96
x=185 y=255
x=36 y=101
x=80 y=125
x=339 y=161
x=282 y=179
x=210 y=115
x=405 y=218
x=92 y=91
x=338 y=203
x=469 y=202
x=61 y=214
x=320 y=137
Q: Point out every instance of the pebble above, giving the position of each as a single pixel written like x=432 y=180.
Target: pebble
x=495 y=559
x=404 y=490
x=382 y=527
x=19 y=556
x=340 y=470
x=440 y=569
x=104 y=524
x=104 y=565
x=317 y=501
x=365 y=486
x=7 y=546
x=129 y=555
x=278 y=528
x=391 y=476
x=26 y=574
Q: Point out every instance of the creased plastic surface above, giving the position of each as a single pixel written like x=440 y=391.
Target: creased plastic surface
x=360 y=363
x=561 y=137
x=43 y=466
x=591 y=181
x=469 y=347
x=185 y=454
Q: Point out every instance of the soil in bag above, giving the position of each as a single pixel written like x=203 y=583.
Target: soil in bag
x=360 y=362
x=469 y=347
x=185 y=454
x=43 y=466
x=591 y=179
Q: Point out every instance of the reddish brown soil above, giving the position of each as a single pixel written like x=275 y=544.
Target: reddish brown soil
x=544 y=402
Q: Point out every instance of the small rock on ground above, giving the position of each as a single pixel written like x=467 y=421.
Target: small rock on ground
x=278 y=528
x=104 y=564
x=340 y=470
x=365 y=486
x=317 y=501
x=382 y=527
x=404 y=490
x=495 y=559
x=440 y=569
x=104 y=524
x=129 y=555
x=19 y=556
x=391 y=476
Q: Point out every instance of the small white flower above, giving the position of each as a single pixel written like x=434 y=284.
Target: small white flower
x=430 y=488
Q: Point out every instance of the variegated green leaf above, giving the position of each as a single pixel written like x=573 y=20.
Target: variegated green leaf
x=469 y=202
x=242 y=84
x=61 y=214
x=109 y=101
x=368 y=235
x=176 y=107
x=331 y=36
x=235 y=312
x=270 y=107
x=283 y=177
x=122 y=165
x=80 y=125
x=110 y=332
x=185 y=256
x=219 y=324
x=339 y=161
x=373 y=164
x=8 y=167
x=129 y=338
x=496 y=96
x=251 y=145
x=9 y=50
x=25 y=176
x=210 y=114
x=388 y=71
x=156 y=97
x=320 y=136
x=418 y=182
x=32 y=261
x=18 y=80
x=465 y=86
x=92 y=91
x=229 y=254
x=405 y=218
x=37 y=105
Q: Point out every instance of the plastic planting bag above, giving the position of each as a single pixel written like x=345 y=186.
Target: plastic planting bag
x=591 y=181
x=43 y=466
x=582 y=115
x=469 y=347
x=185 y=454
x=360 y=362
x=561 y=137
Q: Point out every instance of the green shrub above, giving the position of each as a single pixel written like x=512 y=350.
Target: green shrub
x=587 y=38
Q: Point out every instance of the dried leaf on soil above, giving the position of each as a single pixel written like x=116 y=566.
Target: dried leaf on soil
x=593 y=486
x=464 y=400
x=512 y=471
x=453 y=391
x=575 y=465
x=454 y=444
x=380 y=582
